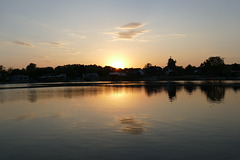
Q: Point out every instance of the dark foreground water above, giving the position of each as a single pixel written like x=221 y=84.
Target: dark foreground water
x=121 y=122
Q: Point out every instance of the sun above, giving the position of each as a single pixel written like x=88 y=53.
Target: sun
x=117 y=64
x=118 y=61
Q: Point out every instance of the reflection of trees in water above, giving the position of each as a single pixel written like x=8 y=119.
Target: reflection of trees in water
x=67 y=93
x=2 y=96
x=214 y=93
x=32 y=96
x=170 y=88
x=172 y=91
x=153 y=89
x=132 y=125
x=236 y=88
x=190 y=87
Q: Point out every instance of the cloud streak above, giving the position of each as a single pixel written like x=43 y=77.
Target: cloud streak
x=178 y=35
x=129 y=31
x=54 y=44
x=20 y=43
x=132 y=25
x=43 y=59
x=75 y=34
x=129 y=34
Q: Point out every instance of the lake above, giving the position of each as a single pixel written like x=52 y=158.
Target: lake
x=120 y=121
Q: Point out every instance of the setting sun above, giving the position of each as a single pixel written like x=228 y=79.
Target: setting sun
x=117 y=64
x=117 y=61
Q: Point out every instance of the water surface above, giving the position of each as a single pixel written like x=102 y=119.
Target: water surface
x=121 y=121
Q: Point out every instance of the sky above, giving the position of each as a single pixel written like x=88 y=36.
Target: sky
x=130 y=33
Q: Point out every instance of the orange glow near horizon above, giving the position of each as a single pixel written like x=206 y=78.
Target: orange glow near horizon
x=117 y=62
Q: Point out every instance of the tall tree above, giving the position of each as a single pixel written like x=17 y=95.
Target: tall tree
x=31 y=67
x=2 y=68
x=190 y=69
x=31 y=70
x=213 y=65
x=148 y=65
x=171 y=63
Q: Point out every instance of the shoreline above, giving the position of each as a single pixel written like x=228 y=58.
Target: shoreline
x=226 y=83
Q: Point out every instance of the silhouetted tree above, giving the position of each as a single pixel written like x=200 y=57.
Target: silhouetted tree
x=213 y=65
x=74 y=70
x=235 y=67
x=190 y=69
x=171 y=63
x=148 y=65
x=44 y=71
x=31 y=67
x=151 y=70
x=16 y=72
x=179 y=70
x=106 y=70
x=2 y=68
x=31 y=70
x=93 y=69
x=3 y=73
x=9 y=71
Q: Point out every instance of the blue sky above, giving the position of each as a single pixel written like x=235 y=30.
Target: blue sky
x=58 y=32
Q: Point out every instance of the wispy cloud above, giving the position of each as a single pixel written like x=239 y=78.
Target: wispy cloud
x=128 y=31
x=83 y=37
x=178 y=35
x=129 y=34
x=132 y=25
x=144 y=40
x=23 y=43
x=71 y=51
x=75 y=34
x=54 y=44
x=44 y=59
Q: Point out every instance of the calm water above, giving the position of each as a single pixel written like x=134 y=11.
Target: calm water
x=128 y=121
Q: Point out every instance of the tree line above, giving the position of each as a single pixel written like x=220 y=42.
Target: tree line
x=213 y=66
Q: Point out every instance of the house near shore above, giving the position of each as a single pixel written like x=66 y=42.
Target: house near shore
x=90 y=76
x=134 y=72
x=49 y=77
x=3 y=76
x=117 y=74
x=19 y=78
x=169 y=72
x=235 y=74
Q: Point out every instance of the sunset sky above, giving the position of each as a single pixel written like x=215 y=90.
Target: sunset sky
x=131 y=32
